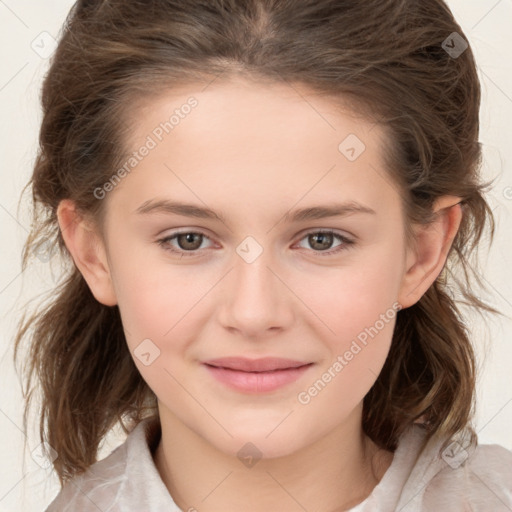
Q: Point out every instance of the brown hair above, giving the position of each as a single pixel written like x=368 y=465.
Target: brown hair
x=386 y=57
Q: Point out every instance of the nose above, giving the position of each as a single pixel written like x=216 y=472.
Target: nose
x=257 y=301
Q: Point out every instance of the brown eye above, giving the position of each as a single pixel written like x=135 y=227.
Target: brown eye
x=189 y=241
x=184 y=243
x=321 y=241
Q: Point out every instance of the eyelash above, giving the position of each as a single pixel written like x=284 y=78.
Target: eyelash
x=346 y=242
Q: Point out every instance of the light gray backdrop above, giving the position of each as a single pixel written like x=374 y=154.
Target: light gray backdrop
x=27 y=28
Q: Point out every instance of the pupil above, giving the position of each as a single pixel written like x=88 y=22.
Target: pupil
x=189 y=238
x=325 y=237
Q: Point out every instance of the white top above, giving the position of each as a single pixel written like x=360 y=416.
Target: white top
x=477 y=479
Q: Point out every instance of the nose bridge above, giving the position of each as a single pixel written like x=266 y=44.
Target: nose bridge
x=256 y=299
x=253 y=276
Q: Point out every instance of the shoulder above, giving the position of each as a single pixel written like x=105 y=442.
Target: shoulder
x=97 y=487
x=115 y=478
x=475 y=480
x=494 y=461
x=462 y=477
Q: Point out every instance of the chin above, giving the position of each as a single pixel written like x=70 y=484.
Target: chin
x=257 y=442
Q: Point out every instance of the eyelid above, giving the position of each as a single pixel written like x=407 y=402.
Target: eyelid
x=346 y=241
x=162 y=241
x=340 y=233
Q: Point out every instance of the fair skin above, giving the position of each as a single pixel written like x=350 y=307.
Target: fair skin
x=254 y=153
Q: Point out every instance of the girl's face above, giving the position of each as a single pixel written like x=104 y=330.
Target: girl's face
x=264 y=173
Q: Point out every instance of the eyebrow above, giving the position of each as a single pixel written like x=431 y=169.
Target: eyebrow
x=302 y=214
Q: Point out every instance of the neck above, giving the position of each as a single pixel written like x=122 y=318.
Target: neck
x=335 y=473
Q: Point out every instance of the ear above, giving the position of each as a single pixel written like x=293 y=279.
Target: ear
x=87 y=250
x=426 y=260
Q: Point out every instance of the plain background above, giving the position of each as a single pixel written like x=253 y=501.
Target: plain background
x=25 y=485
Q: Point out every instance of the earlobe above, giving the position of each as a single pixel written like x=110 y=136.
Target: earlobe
x=87 y=250
x=433 y=242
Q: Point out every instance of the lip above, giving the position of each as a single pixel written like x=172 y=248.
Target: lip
x=264 y=364
x=256 y=375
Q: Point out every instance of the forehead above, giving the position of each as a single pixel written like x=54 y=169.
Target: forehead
x=253 y=142
x=259 y=109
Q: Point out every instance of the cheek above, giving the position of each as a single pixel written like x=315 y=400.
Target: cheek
x=352 y=298
x=162 y=310
x=358 y=311
x=355 y=359
x=154 y=295
x=154 y=317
